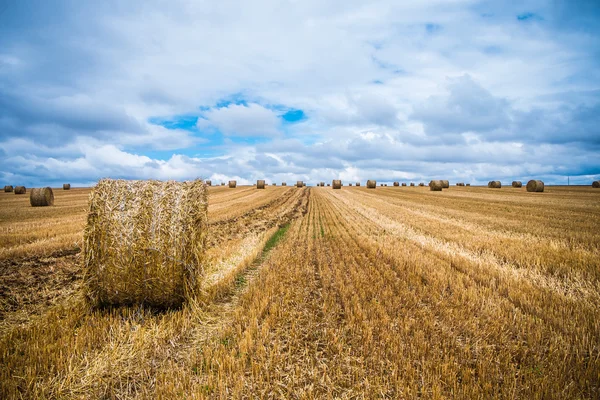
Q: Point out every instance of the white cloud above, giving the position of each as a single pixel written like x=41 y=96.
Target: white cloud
x=241 y=120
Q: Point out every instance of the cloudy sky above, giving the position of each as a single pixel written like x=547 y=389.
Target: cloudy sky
x=309 y=89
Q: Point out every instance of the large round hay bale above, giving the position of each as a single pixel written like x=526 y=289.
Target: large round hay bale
x=535 y=186
x=445 y=184
x=336 y=184
x=144 y=242
x=517 y=184
x=396 y=183
x=260 y=184
x=208 y=183
x=412 y=184
x=41 y=197
x=357 y=183
x=596 y=184
x=8 y=188
x=371 y=184
x=66 y=186
x=232 y=184
x=20 y=190
x=494 y=184
x=299 y=184
x=436 y=185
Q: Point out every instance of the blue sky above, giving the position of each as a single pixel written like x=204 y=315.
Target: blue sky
x=463 y=90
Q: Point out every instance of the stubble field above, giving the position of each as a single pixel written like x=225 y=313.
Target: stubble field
x=396 y=292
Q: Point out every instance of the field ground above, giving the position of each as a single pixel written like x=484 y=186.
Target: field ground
x=320 y=293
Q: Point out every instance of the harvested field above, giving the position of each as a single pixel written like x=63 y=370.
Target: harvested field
x=354 y=293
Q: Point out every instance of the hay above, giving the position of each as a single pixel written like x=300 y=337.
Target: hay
x=494 y=184
x=336 y=184
x=303 y=184
x=20 y=190
x=273 y=184
x=371 y=184
x=403 y=183
x=596 y=184
x=468 y=184
x=208 y=183
x=349 y=184
x=8 y=188
x=460 y=184
x=436 y=185
x=41 y=197
x=445 y=184
x=299 y=184
x=396 y=183
x=144 y=242
x=421 y=184
x=66 y=186
x=232 y=184
x=357 y=183
x=412 y=184
x=283 y=184
x=329 y=184
x=222 y=183
x=517 y=184
x=260 y=184
x=535 y=186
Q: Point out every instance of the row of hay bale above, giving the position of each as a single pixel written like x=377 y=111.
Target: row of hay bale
x=23 y=189
x=38 y=197
x=534 y=185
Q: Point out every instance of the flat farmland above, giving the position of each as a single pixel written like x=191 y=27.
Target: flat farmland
x=393 y=292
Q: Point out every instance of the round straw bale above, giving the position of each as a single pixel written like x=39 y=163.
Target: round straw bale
x=445 y=184
x=260 y=184
x=329 y=184
x=222 y=183
x=357 y=183
x=20 y=190
x=8 y=188
x=66 y=186
x=403 y=183
x=299 y=184
x=144 y=242
x=517 y=184
x=535 y=186
x=283 y=184
x=208 y=183
x=232 y=184
x=303 y=184
x=273 y=184
x=494 y=184
x=421 y=184
x=412 y=184
x=371 y=184
x=468 y=184
x=596 y=184
x=436 y=185
x=41 y=197
x=336 y=184
x=349 y=184
x=396 y=183
x=460 y=184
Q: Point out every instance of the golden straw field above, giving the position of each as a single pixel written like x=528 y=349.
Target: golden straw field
x=316 y=293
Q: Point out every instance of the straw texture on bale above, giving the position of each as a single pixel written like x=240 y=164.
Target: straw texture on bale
x=232 y=184
x=66 y=186
x=596 y=184
x=371 y=184
x=396 y=183
x=144 y=242
x=8 y=188
x=445 y=184
x=494 y=184
x=357 y=183
x=260 y=184
x=517 y=184
x=20 y=190
x=435 y=186
x=208 y=183
x=403 y=183
x=336 y=184
x=299 y=184
x=535 y=186
x=41 y=197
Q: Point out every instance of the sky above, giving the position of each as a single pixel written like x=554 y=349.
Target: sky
x=468 y=91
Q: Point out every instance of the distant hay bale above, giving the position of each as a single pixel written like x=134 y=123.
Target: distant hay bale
x=283 y=184
x=260 y=184
x=303 y=184
x=436 y=185
x=396 y=183
x=41 y=197
x=336 y=184
x=299 y=184
x=381 y=184
x=273 y=184
x=494 y=184
x=445 y=184
x=535 y=186
x=596 y=184
x=322 y=184
x=357 y=183
x=385 y=184
x=222 y=183
x=468 y=184
x=329 y=184
x=517 y=184
x=8 y=188
x=421 y=184
x=20 y=190
x=371 y=184
x=460 y=184
x=144 y=242
x=412 y=184
x=349 y=184
x=66 y=186
x=403 y=183
x=232 y=184
x=208 y=183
